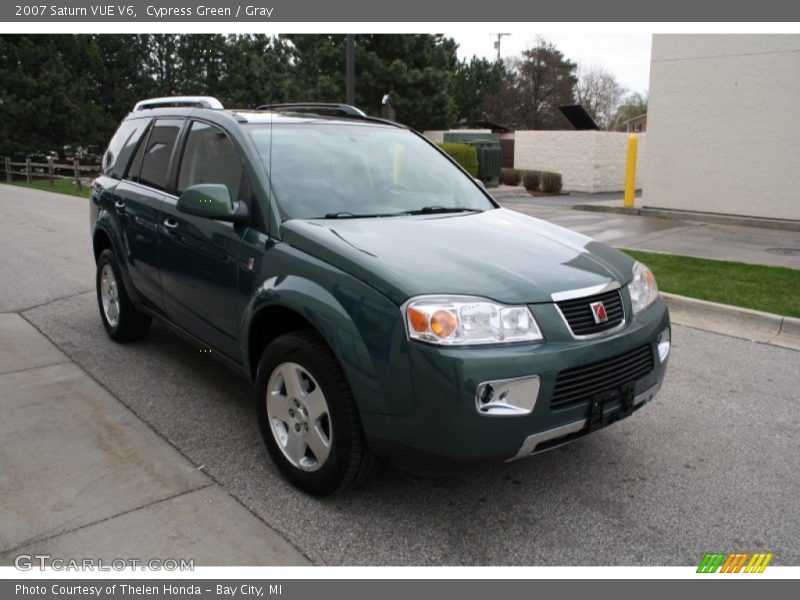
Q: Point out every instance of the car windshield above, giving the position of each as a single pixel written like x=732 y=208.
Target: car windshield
x=343 y=170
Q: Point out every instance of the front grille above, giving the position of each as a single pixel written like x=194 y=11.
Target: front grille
x=580 y=384
x=580 y=318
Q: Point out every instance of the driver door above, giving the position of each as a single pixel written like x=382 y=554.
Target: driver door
x=199 y=257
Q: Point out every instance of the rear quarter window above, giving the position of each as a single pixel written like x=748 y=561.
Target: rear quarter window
x=122 y=146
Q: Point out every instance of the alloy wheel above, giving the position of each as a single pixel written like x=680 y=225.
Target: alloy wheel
x=109 y=295
x=298 y=416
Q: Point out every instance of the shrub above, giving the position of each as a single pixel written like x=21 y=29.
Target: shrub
x=510 y=176
x=463 y=154
x=531 y=181
x=551 y=182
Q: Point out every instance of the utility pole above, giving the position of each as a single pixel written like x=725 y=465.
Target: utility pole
x=351 y=69
x=500 y=36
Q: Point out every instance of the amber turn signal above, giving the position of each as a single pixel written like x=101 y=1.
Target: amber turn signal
x=417 y=320
x=443 y=323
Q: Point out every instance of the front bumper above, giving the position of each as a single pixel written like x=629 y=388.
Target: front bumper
x=551 y=438
x=445 y=427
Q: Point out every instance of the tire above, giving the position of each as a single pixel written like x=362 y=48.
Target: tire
x=122 y=320
x=295 y=429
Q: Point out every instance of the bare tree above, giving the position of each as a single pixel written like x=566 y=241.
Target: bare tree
x=633 y=105
x=600 y=94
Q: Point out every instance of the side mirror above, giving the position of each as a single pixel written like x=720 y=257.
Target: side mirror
x=480 y=183
x=212 y=201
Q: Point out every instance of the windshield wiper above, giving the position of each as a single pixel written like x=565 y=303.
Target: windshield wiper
x=430 y=210
x=349 y=215
x=425 y=210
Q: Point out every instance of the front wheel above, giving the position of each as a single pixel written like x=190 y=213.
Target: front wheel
x=122 y=320
x=307 y=416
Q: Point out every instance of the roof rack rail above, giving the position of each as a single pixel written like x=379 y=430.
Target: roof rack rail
x=198 y=101
x=322 y=108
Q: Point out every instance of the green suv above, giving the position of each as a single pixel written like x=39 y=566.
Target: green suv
x=381 y=302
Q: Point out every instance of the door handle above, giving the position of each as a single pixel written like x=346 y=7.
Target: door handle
x=170 y=225
x=120 y=206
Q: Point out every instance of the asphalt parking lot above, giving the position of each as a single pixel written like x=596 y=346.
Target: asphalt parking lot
x=712 y=464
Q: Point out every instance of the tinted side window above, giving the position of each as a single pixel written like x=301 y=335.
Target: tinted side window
x=158 y=151
x=136 y=164
x=210 y=157
x=122 y=145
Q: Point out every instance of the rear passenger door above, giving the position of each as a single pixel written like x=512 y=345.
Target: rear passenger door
x=115 y=163
x=138 y=200
x=199 y=257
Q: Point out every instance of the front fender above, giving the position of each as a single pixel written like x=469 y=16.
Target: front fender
x=362 y=328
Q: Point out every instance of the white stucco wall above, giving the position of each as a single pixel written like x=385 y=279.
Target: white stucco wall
x=589 y=161
x=724 y=125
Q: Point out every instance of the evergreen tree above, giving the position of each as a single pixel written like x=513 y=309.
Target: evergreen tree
x=415 y=70
x=476 y=83
x=44 y=105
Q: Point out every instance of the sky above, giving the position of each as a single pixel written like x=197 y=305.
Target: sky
x=625 y=55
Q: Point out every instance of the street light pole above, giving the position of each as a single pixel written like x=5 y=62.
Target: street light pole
x=351 y=69
x=500 y=36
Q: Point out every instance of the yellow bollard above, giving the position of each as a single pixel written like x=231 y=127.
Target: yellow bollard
x=630 y=171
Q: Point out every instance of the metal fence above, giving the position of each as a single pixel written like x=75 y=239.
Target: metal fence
x=51 y=171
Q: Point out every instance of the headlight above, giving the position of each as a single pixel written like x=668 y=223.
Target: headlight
x=643 y=288
x=463 y=320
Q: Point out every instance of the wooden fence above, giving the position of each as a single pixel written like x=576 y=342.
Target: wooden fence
x=51 y=171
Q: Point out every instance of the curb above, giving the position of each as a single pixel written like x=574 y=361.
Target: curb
x=685 y=215
x=755 y=325
x=508 y=192
x=518 y=191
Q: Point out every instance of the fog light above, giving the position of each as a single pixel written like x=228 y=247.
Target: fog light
x=663 y=345
x=507 y=397
x=485 y=393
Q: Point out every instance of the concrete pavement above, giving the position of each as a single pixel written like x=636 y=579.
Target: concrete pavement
x=705 y=240
x=82 y=476
x=73 y=459
x=41 y=261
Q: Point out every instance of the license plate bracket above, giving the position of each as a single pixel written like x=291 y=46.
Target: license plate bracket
x=611 y=405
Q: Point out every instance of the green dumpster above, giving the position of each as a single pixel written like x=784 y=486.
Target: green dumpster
x=489 y=153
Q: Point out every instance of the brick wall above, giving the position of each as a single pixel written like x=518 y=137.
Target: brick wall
x=589 y=161
x=637 y=124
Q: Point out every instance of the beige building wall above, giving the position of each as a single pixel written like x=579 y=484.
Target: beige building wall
x=437 y=135
x=434 y=135
x=589 y=161
x=724 y=125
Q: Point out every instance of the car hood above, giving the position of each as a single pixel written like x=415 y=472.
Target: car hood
x=498 y=254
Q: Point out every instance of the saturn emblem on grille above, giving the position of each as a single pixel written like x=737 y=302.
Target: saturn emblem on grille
x=599 y=312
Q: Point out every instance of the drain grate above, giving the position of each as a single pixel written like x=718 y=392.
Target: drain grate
x=784 y=251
